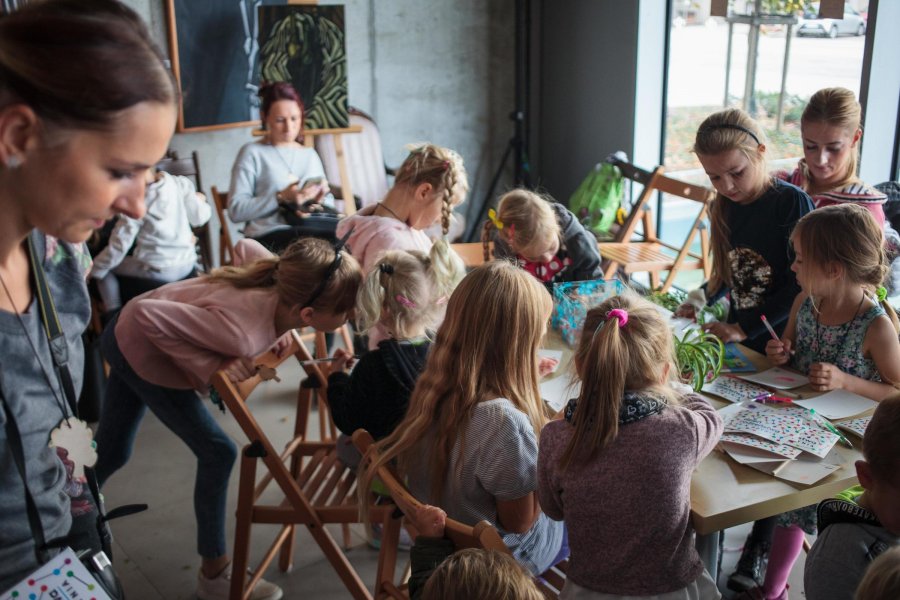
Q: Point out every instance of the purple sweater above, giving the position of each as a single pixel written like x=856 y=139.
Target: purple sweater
x=628 y=511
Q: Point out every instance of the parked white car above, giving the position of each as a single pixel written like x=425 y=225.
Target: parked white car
x=851 y=24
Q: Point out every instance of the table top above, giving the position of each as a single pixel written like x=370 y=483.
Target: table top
x=725 y=493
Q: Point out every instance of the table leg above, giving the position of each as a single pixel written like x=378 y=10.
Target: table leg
x=709 y=547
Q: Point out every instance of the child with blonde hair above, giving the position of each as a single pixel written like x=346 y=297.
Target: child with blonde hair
x=882 y=578
x=405 y=293
x=633 y=435
x=862 y=522
x=165 y=345
x=483 y=574
x=468 y=443
x=429 y=184
x=543 y=237
x=751 y=221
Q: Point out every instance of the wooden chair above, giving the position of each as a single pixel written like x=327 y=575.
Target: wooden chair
x=482 y=535
x=318 y=488
x=190 y=167
x=472 y=253
x=651 y=254
x=226 y=247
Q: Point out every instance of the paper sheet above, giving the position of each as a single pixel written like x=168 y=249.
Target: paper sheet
x=758 y=446
x=857 y=426
x=733 y=389
x=555 y=354
x=559 y=390
x=783 y=427
x=838 y=404
x=778 y=378
x=806 y=470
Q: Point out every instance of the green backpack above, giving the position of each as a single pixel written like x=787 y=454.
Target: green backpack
x=598 y=198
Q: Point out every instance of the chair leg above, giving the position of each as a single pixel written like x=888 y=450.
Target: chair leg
x=244 y=520
x=340 y=563
x=387 y=557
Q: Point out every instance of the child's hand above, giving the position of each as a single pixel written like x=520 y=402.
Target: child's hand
x=546 y=365
x=826 y=376
x=240 y=369
x=201 y=197
x=686 y=311
x=282 y=344
x=778 y=351
x=727 y=332
x=342 y=360
x=425 y=519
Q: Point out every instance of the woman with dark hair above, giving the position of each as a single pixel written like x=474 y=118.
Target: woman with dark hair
x=86 y=108
x=276 y=181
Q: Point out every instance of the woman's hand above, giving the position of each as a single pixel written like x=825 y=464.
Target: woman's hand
x=826 y=376
x=546 y=365
x=778 y=351
x=686 y=311
x=239 y=369
x=727 y=332
x=343 y=360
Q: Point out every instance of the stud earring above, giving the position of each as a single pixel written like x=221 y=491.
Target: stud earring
x=13 y=161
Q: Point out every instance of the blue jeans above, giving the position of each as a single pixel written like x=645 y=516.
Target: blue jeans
x=182 y=411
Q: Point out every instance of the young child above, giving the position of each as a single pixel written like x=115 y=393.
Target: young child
x=468 y=442
x=633 y=436
x=751 y=222
x=543 y=236
x=164 y=248
x=165 y=345
x=405 y=293
x=882 y=578
x=863 y=521
x=429 y=184
x=483 y=574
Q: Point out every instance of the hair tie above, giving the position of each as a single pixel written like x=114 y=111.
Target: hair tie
x=881 y=293
x=731 y=126
x=445 y=165
x=405 y=301
x=492 y=215
x=619 y=313
x=386 y=268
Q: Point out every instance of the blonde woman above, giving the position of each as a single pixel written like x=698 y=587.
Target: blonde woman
x=468 y=442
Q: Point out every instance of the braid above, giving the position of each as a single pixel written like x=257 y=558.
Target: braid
x=447 y=206
x=486 y=239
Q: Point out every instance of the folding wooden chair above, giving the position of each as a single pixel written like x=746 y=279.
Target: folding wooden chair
x=651 y=254
x=190 y=167
x=226 y=247
x=482 y=535
x=318 y=488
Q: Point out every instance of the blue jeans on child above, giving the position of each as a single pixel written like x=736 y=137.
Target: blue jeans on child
x=182 y=411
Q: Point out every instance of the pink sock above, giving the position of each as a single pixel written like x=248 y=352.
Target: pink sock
x=787 y=543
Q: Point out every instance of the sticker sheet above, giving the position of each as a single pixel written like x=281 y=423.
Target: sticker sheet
x=778 y=378
x=838 y=404
x=783 y=426
x=733 y=389
x=752 y=441
x=857 y=426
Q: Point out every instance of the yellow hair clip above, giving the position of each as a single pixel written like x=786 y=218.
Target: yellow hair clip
x=492 y=215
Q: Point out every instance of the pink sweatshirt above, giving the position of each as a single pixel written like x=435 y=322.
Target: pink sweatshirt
x=373 y=235
x=178 y=335
x=856 y=193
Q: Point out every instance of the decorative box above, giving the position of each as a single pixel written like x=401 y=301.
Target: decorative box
x=572 y=300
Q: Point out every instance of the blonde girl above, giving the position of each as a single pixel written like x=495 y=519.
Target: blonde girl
x=831 y=130
x=468 y=442
x=882 y=579
x=635 y=437
x=483 y=574
x=405 y=293
x=751 y=220
x=542 y=236
x=427 y=187
x=165 y=346
x=840 y=333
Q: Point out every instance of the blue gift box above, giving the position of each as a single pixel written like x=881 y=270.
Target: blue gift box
x=572 y=300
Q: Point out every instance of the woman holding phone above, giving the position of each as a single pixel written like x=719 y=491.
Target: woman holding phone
x=278 y=186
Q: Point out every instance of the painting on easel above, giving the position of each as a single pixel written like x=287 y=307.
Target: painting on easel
x=304 y=44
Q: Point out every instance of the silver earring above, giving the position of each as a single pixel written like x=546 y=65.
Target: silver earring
x=13 y=161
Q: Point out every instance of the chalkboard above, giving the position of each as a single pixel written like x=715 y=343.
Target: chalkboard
x=213 y=45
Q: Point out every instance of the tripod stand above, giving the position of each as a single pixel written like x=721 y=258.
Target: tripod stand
x=517 y=147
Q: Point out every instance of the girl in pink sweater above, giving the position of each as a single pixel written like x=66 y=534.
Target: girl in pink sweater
x=165 y=346
x=618 y=468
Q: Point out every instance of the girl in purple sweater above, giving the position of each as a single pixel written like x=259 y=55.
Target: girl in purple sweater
x=618 y=468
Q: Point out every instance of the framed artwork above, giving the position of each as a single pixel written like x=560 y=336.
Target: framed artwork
x=214 y=52
x=304 y=44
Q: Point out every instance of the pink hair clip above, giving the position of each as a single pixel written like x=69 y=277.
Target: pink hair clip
x=441 y=300
x=619 y=313
x=405 y=301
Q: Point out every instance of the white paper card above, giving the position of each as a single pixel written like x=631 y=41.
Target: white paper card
x=778 y=378
x=757 y=445
x=559 y=390
x=838 y=404
x=62 y=577
x=806 y=470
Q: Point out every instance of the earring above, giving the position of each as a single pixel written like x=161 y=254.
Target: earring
x=13 y=161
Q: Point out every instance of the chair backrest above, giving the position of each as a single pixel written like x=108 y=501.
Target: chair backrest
x=482 y=535
x=226 y=247
x=364 y=157
x=471 y=253
x=190 y=168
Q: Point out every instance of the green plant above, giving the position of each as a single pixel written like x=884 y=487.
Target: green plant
x=699 y=356
x=668 y=300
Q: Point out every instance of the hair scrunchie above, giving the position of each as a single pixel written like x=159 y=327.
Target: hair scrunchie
x=386 y=268
x=620 y=314
x=881 y=293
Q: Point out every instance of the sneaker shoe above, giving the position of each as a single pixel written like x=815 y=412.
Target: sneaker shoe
x=219 y=587
x=751 y=568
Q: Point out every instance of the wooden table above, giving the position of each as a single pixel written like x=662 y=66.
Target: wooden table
x=725 y=493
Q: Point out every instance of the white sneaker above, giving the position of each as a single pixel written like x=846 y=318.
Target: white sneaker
x=219 y=587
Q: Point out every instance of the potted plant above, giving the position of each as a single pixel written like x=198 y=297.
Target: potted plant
x=699 y=356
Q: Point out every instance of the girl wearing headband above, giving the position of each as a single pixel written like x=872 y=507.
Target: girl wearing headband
x=633 y=435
